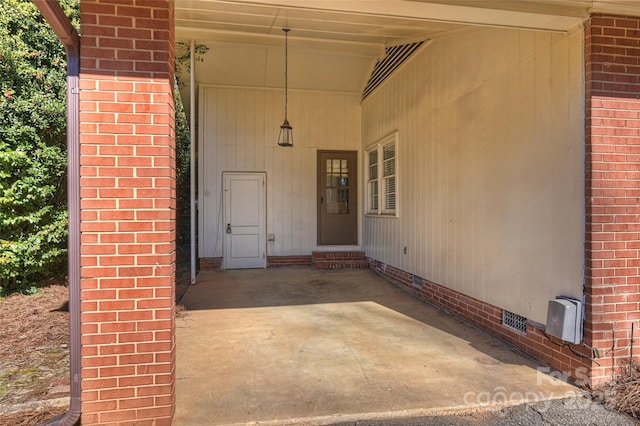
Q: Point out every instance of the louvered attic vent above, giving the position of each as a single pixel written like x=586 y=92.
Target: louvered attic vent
x=393 y=58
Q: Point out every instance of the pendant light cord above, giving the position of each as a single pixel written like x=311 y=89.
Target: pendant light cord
x=285 y=137
x=286 y=70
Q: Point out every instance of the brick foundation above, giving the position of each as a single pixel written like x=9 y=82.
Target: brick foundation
x=320 y=260
x=301 y=260
x=272 y=261
x=612 y=141
x=128 y=212
x=207 y=263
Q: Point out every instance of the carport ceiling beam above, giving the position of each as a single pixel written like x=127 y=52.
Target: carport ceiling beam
x=437 y=12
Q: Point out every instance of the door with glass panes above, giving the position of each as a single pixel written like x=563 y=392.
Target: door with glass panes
x=337 y=198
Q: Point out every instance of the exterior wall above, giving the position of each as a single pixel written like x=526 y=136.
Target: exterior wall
x=128 y=212
x=613 y=188
x=490 y=167
x=238 y=131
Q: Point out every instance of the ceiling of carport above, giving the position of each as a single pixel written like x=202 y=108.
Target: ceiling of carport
x=333 y=44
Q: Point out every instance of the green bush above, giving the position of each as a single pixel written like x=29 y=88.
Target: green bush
x=33 y=212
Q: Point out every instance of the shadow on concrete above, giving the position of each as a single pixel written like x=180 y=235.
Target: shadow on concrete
x=297 y=286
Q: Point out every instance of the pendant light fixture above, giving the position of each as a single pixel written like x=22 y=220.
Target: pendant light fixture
x=285 y=138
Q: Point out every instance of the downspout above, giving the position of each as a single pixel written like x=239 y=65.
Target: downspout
x=68 y=35
x=192 y=157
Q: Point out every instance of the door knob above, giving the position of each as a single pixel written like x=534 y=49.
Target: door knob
x=228 y=228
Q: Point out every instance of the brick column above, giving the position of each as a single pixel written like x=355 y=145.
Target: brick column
x=612 y=278
x=128 y=211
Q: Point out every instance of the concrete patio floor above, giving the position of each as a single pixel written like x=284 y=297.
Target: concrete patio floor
x=301 y=346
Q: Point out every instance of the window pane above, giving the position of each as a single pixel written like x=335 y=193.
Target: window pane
x=332 y=201
x=388 y=151
x=336 y=166
x=372 y=185
x=381 y=182
x=390 y=185
x=389 y=167
x=390 y=202
x=373 y=172
x=373 y=157
x=337 y=201
x=373 y=196
x=390 y=193
x=344 y=196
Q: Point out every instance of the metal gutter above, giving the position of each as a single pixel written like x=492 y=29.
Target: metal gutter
x=68 y=35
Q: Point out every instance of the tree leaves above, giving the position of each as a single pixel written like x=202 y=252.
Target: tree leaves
x=33 y=212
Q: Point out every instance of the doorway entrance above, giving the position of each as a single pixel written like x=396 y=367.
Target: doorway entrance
x=337 y=198
x=245 y=239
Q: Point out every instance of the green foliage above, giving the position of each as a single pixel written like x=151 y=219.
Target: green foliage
x=183 y=59
x=33 y=213
x=183 y=184
x=183 y=177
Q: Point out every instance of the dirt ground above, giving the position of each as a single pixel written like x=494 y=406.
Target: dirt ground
x=34 y=352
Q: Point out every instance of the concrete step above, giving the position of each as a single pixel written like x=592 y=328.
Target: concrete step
x=341 y=264
x=337 y=255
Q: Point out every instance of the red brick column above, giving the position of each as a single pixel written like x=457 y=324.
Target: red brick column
x=612 y=276
x=128 y=211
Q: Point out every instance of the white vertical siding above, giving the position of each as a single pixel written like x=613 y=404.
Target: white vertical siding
x=490 y=166
x=238 y=131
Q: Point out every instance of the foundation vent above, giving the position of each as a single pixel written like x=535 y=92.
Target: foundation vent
x=393 y=58
x=417 y=281
x=514 y=321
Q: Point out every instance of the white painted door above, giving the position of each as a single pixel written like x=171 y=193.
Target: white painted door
x=245 y=237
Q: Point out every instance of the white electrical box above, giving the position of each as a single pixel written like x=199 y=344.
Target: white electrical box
x=564 y=319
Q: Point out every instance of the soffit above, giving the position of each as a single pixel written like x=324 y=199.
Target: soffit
x=245 y=37
x=379 y=21
x=366 y=22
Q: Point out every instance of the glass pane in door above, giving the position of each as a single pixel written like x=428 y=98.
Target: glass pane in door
x=337 y=186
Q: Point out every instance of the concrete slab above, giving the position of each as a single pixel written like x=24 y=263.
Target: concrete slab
x=301 y=346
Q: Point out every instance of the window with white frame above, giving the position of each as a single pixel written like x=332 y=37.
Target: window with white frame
x=382 y=192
